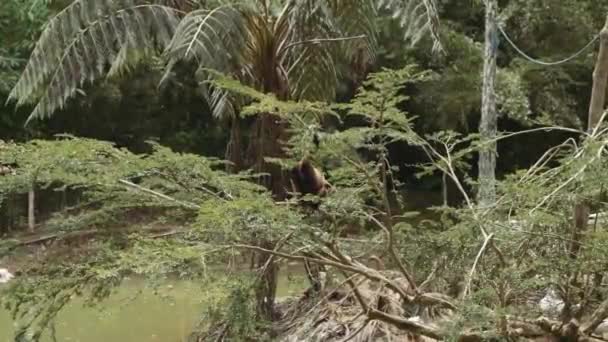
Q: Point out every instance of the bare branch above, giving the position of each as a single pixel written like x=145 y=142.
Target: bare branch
x=324 y=40
x=600 y=314
x=391 y=249
x=160 y=195
x=477 y=258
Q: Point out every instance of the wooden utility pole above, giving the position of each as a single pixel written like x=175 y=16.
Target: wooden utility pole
x=487 y=125
x=31 y=209
x=596 y=109
x=31 y=203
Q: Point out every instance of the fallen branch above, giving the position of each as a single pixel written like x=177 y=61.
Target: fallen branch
x=84 y=233
x=425 y=298
x=600 y=314
x=406 y=324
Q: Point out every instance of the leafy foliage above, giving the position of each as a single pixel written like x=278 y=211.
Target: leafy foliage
x=20 y=22
x=81 y=40
x=486 y=268
x=416 y=17
x=276 y=46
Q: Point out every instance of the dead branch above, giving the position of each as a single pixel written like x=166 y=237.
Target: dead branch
x=477 y=258
x=161 y=233
x=371 y=274
x=391 y=248
x=600 y=314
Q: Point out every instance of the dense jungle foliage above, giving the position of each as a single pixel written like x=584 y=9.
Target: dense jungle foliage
x=155 y=139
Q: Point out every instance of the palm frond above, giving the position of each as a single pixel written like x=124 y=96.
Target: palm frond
x=354 y=18
x=82 y=41
x=222 y=103
x=312 y=74
x=417 y=18
x=214 y=39
x=309 y=64
x=321 y=42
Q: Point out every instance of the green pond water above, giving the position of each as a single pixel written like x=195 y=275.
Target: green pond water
x=147 y=317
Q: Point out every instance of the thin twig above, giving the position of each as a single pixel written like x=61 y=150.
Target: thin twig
x=324 y=40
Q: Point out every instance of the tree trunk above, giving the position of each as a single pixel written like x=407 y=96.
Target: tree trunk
x=596 y=109
x=268 y=137
x=487 y=126
x=267 y=289
x=600 y=78
x=234 y=150
x=31 y=209
x=444 y=188
x=267 y=140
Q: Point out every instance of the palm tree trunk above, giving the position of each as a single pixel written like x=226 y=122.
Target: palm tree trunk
x=267 y=289
x=266 y=141
x=234 y=150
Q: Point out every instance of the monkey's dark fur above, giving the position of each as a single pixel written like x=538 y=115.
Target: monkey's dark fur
x=308 y=180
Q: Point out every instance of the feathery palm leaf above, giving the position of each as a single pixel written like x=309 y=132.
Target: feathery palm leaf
x=81 y=42
x=310 y=66
x=417 y=18
x=215 y=39
x=293 y=48
x=276 y=46
x=348 y=26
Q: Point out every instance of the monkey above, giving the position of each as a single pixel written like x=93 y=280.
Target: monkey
x=307 y=179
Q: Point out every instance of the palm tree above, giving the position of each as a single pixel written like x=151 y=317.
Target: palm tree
x=295 y=49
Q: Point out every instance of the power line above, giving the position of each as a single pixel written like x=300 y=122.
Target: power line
x=534 y=60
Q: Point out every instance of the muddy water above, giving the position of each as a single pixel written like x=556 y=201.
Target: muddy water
x=147 y=317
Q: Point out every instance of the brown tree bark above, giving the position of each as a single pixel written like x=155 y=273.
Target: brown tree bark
x=267 y=140
x=234 y=150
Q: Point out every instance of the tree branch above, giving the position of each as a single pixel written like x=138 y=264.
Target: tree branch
x=160 y=195
x=600 y=314
x=324 y=40
x=477 y=258
x=425 y=298
x=391 y=250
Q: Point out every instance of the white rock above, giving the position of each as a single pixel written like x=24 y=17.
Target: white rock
x=5 y=276
x=551 y=304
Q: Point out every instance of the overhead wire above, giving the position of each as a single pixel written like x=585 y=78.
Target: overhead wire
x=540 y=62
